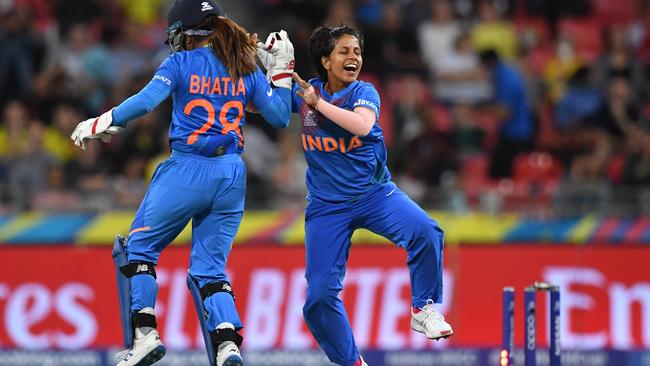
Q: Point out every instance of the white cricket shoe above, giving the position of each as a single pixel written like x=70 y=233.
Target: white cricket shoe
x=430 y=322
x=147 y=350
x=228 y=353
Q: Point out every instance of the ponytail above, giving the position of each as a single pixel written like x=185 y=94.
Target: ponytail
x=231 y=44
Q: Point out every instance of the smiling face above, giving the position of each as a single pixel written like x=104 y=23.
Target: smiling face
x=344 y=62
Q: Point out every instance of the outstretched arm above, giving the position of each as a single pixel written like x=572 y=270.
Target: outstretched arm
x=359 y=122
x=113 y=121
x=145 y=101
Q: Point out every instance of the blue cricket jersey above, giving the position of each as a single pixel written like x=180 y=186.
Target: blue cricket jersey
x=209 y=106
x=340 y=165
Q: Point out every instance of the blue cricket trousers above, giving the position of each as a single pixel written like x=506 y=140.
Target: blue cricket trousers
x=208 y=190
x=388 y=212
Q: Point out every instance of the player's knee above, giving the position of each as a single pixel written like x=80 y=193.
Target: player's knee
x=427 y=235
x=432 y=231
x=318 y=293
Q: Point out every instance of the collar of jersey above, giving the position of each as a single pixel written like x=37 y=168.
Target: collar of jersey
x=339 y=93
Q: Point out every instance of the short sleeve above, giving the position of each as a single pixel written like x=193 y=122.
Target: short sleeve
x=167 y=73
x=368 y=97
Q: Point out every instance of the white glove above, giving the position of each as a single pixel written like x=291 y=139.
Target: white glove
x=95 y=128
x=276 y=55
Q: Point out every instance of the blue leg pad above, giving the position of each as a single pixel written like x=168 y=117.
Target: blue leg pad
x=120 y=259
x=193 y=285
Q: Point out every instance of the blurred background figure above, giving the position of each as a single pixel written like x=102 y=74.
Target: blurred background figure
x=512 y=111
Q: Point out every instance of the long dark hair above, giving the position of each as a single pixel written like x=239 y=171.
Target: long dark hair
x=322 y=42
x=231 y=44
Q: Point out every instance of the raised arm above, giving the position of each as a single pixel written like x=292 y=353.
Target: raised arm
x=277 y=57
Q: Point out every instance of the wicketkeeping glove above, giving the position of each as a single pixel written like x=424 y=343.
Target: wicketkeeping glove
x=95 y=128
x=276 y=55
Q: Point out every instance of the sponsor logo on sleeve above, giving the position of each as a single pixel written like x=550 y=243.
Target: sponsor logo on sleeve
x=163 y=79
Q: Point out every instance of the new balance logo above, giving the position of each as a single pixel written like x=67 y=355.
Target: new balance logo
x=142 y=268
x=205 y=6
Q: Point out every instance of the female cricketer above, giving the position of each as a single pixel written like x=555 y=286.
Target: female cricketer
x=349 y=188
x=213 y=77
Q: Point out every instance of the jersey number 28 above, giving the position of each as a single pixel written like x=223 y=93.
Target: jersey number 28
x=227 y=125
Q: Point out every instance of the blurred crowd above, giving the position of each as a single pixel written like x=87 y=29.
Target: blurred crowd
x=537 y=106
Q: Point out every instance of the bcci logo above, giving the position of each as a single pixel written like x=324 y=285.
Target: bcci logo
x=205 y=6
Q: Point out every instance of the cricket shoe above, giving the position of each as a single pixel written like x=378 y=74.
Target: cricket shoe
x=228 y=353
x=147 y=349
x=430 y=322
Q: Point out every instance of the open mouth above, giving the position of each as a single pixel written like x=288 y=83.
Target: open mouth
x=350 y=67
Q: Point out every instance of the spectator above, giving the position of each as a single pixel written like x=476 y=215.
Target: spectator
x=87 y=65
x=20 y=52
x=581 y=101
x=410 y=113
x=459 y=77
x=618 y=61
x=56 y=140
x=28 y=168
x=134 y=51
x=14 y=139
x=620 y=116
x=436 y=35
x=562 y=65
x=511 y=108
x=494 y=33
x=392 y=46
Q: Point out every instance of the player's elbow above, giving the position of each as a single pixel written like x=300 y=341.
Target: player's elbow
x=365 y=129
